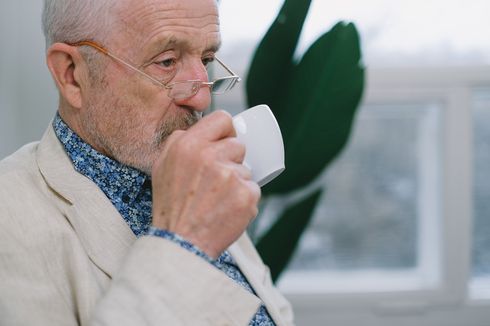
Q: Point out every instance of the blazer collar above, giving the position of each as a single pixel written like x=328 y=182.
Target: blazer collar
x=103 y=232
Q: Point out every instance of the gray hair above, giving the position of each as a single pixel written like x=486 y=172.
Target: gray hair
x=75 y=20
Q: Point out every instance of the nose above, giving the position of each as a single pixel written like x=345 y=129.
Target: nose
x=202 y=99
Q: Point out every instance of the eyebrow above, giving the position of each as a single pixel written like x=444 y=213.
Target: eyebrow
x=168 y=42
x=215 y=47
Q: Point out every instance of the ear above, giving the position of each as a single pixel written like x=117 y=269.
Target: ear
x=67 y=68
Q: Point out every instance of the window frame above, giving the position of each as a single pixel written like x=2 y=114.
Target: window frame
x=452 y=88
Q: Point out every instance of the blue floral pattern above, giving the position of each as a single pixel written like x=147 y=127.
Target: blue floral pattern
x=129 y=190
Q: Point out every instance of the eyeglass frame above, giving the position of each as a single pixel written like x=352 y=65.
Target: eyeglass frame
x=196 y=84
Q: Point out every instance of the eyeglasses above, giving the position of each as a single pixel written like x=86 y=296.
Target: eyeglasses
x=181 y=89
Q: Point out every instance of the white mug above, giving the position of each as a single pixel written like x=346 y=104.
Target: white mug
x=258 y=129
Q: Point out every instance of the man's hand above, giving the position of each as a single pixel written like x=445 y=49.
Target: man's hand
x=201 y=190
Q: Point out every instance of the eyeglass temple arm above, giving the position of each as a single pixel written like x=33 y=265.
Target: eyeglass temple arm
x=91 y=44
x=104 y=51
x=224 y=66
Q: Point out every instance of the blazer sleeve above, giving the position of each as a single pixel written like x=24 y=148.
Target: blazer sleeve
x=161 y=283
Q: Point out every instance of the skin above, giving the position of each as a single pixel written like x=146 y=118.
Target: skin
x=201 y=190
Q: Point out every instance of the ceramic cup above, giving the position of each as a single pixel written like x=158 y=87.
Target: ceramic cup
x=257 y=128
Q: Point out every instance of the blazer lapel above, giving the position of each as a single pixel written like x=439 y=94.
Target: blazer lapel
x=257 y=274
x=103 y=232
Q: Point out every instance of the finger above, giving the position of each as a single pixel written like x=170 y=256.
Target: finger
x=230 y=149
x=242 y=171
x=255 y=194
x=215 y=126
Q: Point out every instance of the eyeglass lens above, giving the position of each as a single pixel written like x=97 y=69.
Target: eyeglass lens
x=186 y=89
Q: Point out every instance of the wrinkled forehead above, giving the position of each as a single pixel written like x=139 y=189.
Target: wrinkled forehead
x=151 y=23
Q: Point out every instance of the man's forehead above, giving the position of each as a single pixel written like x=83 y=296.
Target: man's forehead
x=166 y=22
x=140 y=12
x=170 y=4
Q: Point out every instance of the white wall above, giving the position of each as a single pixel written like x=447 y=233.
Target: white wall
x=28 y=98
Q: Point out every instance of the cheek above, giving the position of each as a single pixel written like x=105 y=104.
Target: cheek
x=144 y=95
x=130 y=86
x=133 y=103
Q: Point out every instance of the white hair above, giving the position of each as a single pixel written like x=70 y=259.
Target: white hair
x=76 y=20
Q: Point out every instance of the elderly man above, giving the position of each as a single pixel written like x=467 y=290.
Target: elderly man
x=132 y=209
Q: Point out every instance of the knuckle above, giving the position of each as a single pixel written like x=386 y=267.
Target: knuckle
x=225 y=175
x=224 y=118
x=246 y=173
x=175 y=135
x=178 y=132
x=256 y=193
x=222 y=114
x=236 y=148
x=184 y=145
x=240 y=147
x=249 y=195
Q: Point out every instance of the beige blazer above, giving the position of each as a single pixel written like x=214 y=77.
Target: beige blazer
x=67 y=257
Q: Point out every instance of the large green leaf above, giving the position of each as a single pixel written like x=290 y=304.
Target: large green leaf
x=314 y=102
x=273 y=59
x=318 y=105
x=278 y=244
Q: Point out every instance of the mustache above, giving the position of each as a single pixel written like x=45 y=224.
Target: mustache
x=178 y=122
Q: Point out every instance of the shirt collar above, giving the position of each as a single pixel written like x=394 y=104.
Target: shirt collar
x=118 y=181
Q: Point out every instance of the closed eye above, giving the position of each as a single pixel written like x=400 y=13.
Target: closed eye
x=206 y=61
x=167 y=63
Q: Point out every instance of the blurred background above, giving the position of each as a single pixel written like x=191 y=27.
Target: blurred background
x=401 y=235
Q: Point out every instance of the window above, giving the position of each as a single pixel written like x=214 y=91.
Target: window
x=380 y=205
x=480 y=286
